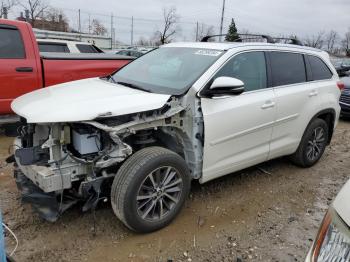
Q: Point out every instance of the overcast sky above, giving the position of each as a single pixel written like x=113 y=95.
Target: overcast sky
x=299 y=17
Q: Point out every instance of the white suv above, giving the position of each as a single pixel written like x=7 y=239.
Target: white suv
x=184 y=111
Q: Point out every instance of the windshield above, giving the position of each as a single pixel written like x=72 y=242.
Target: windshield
x=167 y=70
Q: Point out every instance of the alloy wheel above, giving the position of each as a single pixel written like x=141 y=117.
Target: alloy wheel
x=316 y=144
x=159 y=193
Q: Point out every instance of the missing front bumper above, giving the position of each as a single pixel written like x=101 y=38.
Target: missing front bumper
x=46 y=205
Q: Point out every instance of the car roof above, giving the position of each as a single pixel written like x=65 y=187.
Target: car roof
x=226 y=46
x=43 y=40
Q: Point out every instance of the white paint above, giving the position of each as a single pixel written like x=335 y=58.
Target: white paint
x=341 y=203
x=244 y=130
x=84 y=100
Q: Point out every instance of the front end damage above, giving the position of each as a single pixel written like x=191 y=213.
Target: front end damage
x=62 y=164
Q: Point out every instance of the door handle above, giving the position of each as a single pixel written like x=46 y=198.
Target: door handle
x=268 y=104
x=313 y=93
x=24 y=69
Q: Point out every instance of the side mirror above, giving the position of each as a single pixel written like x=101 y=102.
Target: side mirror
x=226 y=86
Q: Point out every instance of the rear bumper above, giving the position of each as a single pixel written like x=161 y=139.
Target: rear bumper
x=345 y=109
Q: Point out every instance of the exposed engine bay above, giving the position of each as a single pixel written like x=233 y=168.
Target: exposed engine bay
x=61 y=164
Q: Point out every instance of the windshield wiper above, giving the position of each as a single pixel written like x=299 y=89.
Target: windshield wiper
x=133 y=86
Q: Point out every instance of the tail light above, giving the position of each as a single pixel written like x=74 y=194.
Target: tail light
x=340 y=85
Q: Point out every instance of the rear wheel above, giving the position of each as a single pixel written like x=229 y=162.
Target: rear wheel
x=312 y=145
x=150 y=189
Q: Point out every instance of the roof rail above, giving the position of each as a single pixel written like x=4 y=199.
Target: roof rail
x=269 y=39
x=293 y=40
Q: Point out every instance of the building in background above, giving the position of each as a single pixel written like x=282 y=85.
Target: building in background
x=100 y=41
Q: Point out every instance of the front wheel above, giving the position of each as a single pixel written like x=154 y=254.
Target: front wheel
x=150 y=189
x=312 y=145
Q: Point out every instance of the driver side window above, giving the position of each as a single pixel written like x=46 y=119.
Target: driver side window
x=248 y=67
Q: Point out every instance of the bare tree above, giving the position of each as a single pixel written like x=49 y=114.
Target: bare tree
x=316 y=41
x=203 y=30
x=36 y=9
x=98 y=28
x=330 y=40
x=6 y=4
x=169 y=30
x=346 y=43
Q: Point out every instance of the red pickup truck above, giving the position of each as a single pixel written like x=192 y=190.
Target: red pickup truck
x=23 y=69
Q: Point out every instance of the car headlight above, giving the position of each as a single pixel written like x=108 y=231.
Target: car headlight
x=333 y=240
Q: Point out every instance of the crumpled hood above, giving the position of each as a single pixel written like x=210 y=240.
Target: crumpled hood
x=84 y=100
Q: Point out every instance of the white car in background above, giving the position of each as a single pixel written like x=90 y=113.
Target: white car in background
x=65 y=46
x=185 y=111
x=333 y=239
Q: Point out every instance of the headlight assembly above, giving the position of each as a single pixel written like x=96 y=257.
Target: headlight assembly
x=333 y=240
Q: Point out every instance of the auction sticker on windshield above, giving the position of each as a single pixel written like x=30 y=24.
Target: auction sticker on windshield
x=208 y=52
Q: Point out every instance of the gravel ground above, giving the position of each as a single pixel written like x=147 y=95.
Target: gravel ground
x=270 y=212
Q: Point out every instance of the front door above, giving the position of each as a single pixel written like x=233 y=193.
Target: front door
x=18 y=70
x=237 y=129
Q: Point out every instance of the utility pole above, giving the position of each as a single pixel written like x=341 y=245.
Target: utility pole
x=79 y=21
x=197 y=28
x=222 y=18
x=112 y=31
x=79 y=24
x=132 y=31
x=89 y=24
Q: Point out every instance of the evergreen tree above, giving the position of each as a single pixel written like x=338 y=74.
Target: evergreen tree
x=232 y=34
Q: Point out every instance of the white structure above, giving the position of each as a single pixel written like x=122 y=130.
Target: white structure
x=102 y=42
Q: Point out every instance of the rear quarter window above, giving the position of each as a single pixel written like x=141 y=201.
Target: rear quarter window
x=11 y=44
x=52 y=47
x=319 y=70
x=287 y=68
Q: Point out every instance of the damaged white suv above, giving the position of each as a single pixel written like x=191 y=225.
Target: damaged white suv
x=184 y=111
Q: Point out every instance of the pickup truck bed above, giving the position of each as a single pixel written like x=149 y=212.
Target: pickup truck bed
x=61 y=67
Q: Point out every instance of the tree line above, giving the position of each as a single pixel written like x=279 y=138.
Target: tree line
x=41 y=15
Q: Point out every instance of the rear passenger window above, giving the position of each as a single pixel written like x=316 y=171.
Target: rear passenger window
x=287 y=68
x=248 y=67
x=319 y=69
x=52 y=47
x=11 y=44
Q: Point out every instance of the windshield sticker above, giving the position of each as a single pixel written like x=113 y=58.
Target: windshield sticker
x=208 y=52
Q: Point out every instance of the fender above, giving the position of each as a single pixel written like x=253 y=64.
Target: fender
x=330 y=121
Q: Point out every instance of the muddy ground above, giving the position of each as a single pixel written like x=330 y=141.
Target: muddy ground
x=270 y=212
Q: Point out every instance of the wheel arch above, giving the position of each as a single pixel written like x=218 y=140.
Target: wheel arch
x=177 y=141
x=328 y=115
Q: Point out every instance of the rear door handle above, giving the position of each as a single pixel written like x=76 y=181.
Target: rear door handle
x=313 y=93
x=24 y=69
x=268 y=104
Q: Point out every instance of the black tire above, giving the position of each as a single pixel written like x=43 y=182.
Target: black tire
x=132 y=178
x=303 y=157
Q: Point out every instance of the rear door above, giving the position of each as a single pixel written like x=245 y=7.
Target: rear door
x=296 y=100
x=18 y=68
